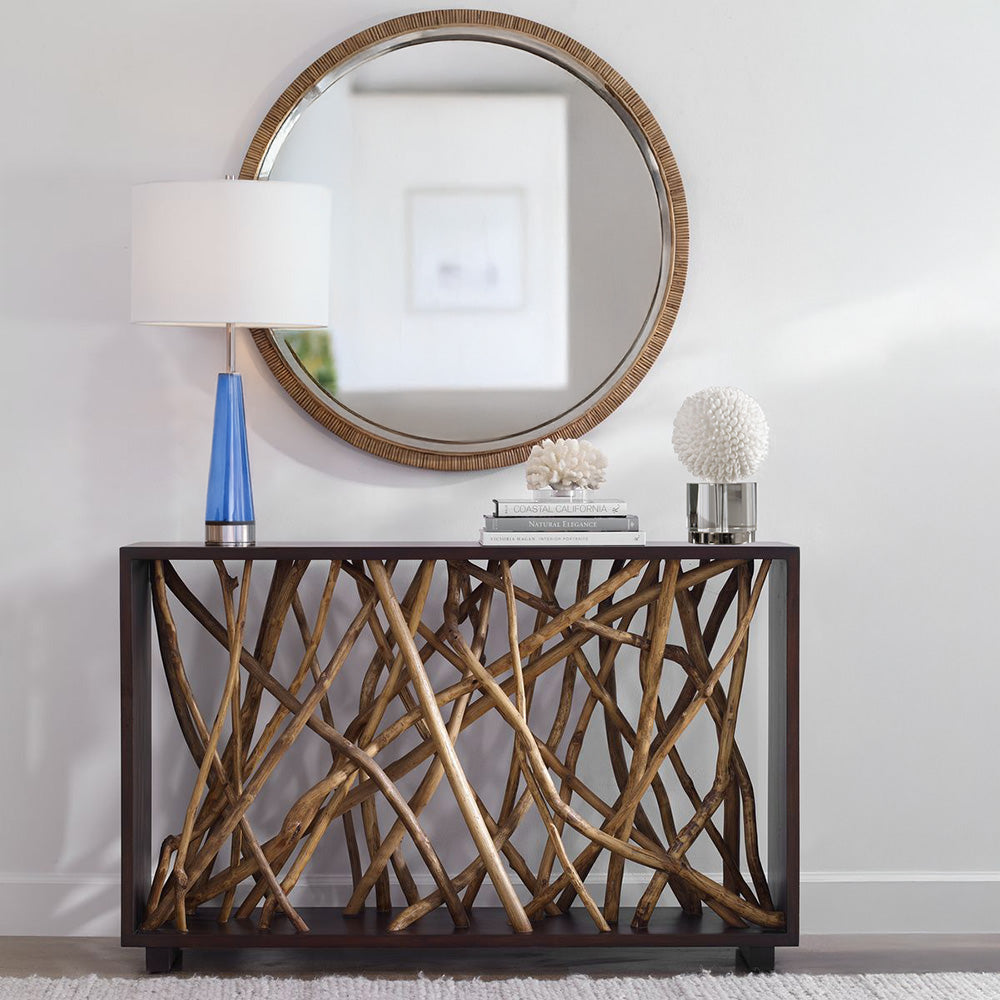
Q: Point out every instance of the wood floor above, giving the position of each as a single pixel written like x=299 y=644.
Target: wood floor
x=54 y=957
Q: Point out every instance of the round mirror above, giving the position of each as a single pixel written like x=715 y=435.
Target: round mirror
x=509 y=237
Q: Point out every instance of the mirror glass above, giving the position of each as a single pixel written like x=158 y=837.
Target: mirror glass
x=500 y=246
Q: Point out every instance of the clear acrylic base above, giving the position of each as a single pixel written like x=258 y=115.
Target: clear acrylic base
x=722 y=513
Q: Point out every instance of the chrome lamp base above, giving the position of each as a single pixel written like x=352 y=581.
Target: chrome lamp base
x=722 y=513
x=230 y=533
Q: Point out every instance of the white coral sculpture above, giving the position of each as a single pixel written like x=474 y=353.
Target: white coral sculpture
x=720 y=435
x=565 y=464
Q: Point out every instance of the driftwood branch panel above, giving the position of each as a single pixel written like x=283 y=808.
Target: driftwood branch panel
x=438 y=639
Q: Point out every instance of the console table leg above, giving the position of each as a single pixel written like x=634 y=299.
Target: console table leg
x=756 y=959
x=163 y=959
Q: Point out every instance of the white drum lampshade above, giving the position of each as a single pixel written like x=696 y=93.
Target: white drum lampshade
x=230 y=253
x=246 y=253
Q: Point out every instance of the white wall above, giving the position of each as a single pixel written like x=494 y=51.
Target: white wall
x=841 y=164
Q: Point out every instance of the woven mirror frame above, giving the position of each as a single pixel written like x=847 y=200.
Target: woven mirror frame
x=576 y=59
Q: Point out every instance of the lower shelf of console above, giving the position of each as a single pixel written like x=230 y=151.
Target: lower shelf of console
x=488 y=928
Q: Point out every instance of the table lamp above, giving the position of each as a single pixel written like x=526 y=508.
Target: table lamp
x=230 y=253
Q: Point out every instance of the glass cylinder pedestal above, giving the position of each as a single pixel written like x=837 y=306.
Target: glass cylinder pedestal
x=722 y=513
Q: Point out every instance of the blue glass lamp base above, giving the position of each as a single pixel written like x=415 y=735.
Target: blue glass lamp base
x=229 y=517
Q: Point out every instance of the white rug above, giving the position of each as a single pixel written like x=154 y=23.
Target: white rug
x=777 y=986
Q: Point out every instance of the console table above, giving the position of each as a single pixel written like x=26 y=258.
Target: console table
x=387 y=654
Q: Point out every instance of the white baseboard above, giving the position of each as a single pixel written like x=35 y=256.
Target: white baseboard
x=900 y=902
x=42 y=903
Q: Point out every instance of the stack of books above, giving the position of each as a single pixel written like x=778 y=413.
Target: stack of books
x=561 y=522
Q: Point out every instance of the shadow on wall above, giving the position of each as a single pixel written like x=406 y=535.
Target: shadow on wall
x=68 y=232
x=96 y=467
x=62 y=809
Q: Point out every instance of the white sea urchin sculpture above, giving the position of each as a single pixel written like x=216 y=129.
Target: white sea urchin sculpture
x=720 y=435
x=565 y=464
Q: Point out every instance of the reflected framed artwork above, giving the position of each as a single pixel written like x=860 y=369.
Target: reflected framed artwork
x=466 y=249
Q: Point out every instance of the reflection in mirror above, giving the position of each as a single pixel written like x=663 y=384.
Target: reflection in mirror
x=497 y=243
